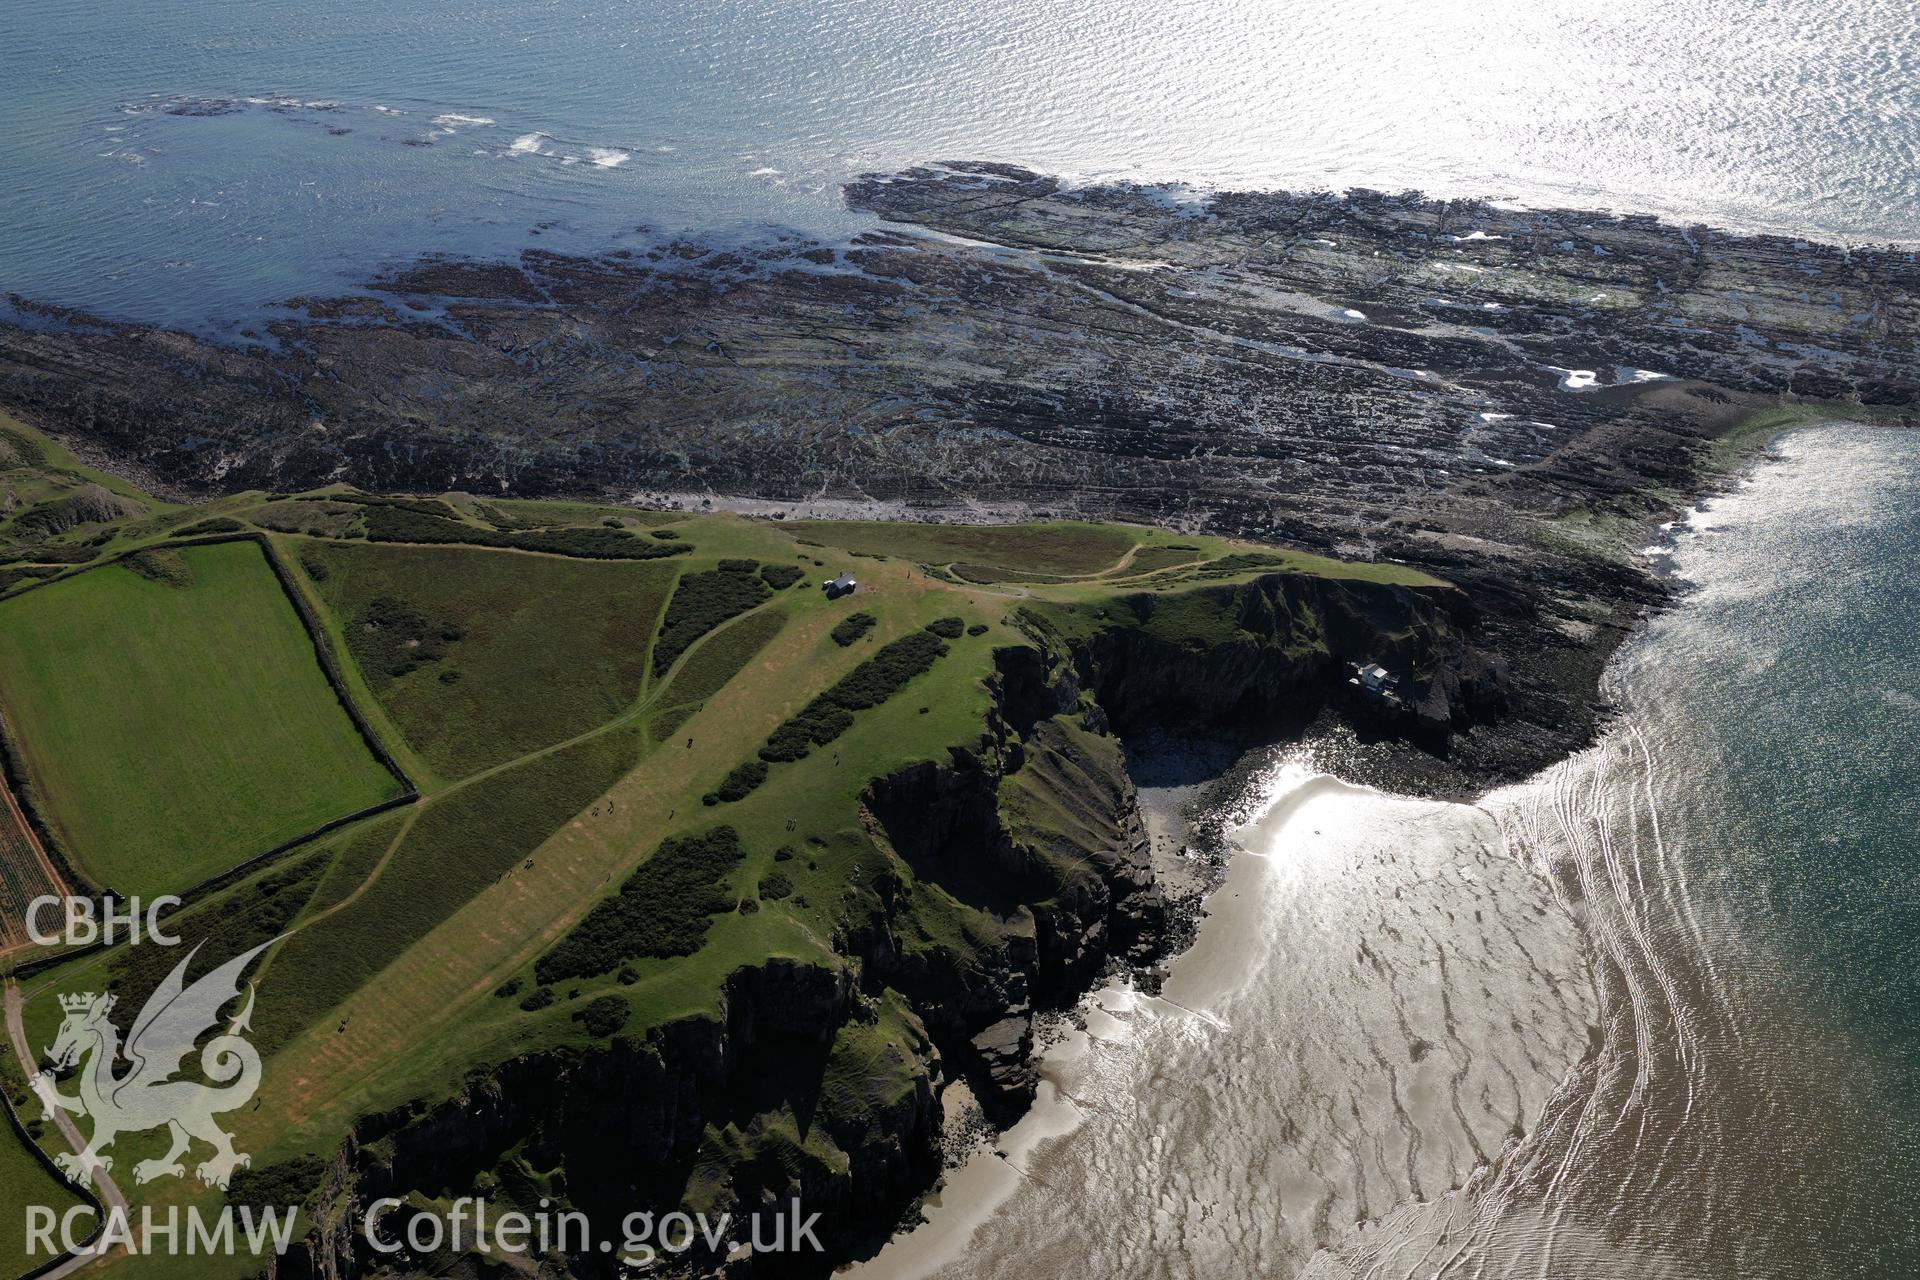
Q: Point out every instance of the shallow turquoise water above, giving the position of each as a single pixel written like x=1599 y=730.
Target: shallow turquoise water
x=351 y=135
x=1741 y=845
x=1762 y=797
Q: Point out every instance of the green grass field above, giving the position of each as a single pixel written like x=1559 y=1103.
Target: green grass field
x=174 y=728
x=24 y=1180
x=459 y=845
x=547 y=647
x=713 y=664
x=1063 y=549
x=559 y=744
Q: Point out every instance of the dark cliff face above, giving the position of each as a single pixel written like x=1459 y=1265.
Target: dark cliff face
x=1067 y=905
x=621 y=1129
x=1266 y=657
x=684 y=1113
x=1033 y=832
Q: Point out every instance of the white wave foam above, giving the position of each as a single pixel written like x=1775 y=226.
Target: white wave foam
x=454 y=117
x=607 y=157
x=529 y=143
x=1576 y=379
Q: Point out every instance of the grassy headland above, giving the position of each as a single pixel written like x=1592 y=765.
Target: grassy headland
x=658 y=791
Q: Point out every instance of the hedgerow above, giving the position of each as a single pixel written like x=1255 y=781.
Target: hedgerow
x=664 y=909
x=852 y=627
x=603 y=1015
x=8 y=577
x=418 y=506
x=947 y=628
x=780 y=576
x=401 y=524
x=818 y=723
x=219 y=524
x=881 y=676
x=739 y=783
x=701 y=602
x=867 y=685
x=44 y=554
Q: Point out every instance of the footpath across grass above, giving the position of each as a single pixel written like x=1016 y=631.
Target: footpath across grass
x=173 y=718
x=1066 y=548
x=480 y=657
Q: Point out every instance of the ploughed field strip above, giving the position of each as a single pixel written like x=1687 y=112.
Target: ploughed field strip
x=171 y=719
x=26 y=873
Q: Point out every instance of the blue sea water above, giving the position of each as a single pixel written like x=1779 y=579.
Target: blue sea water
x=1742 y=846
x=193 y=162
x=348 y=136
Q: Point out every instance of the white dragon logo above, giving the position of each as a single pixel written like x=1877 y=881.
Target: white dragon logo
x=147 y=1096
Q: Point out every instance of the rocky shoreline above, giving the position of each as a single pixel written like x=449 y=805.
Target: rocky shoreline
x=1497 y=396
x=1502 y=398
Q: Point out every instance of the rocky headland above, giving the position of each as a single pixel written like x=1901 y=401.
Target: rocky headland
x=1037 y=824
x=1499 y=396
x=1503 y=398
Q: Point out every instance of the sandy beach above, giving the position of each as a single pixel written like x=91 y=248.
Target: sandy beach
x=1380 y=1000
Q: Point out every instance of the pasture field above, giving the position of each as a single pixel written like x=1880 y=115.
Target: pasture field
x=1063 y=549
x=707 y=800
x=479 y=657
x=174 y=725
x=712 y=665
x=24 y=1180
